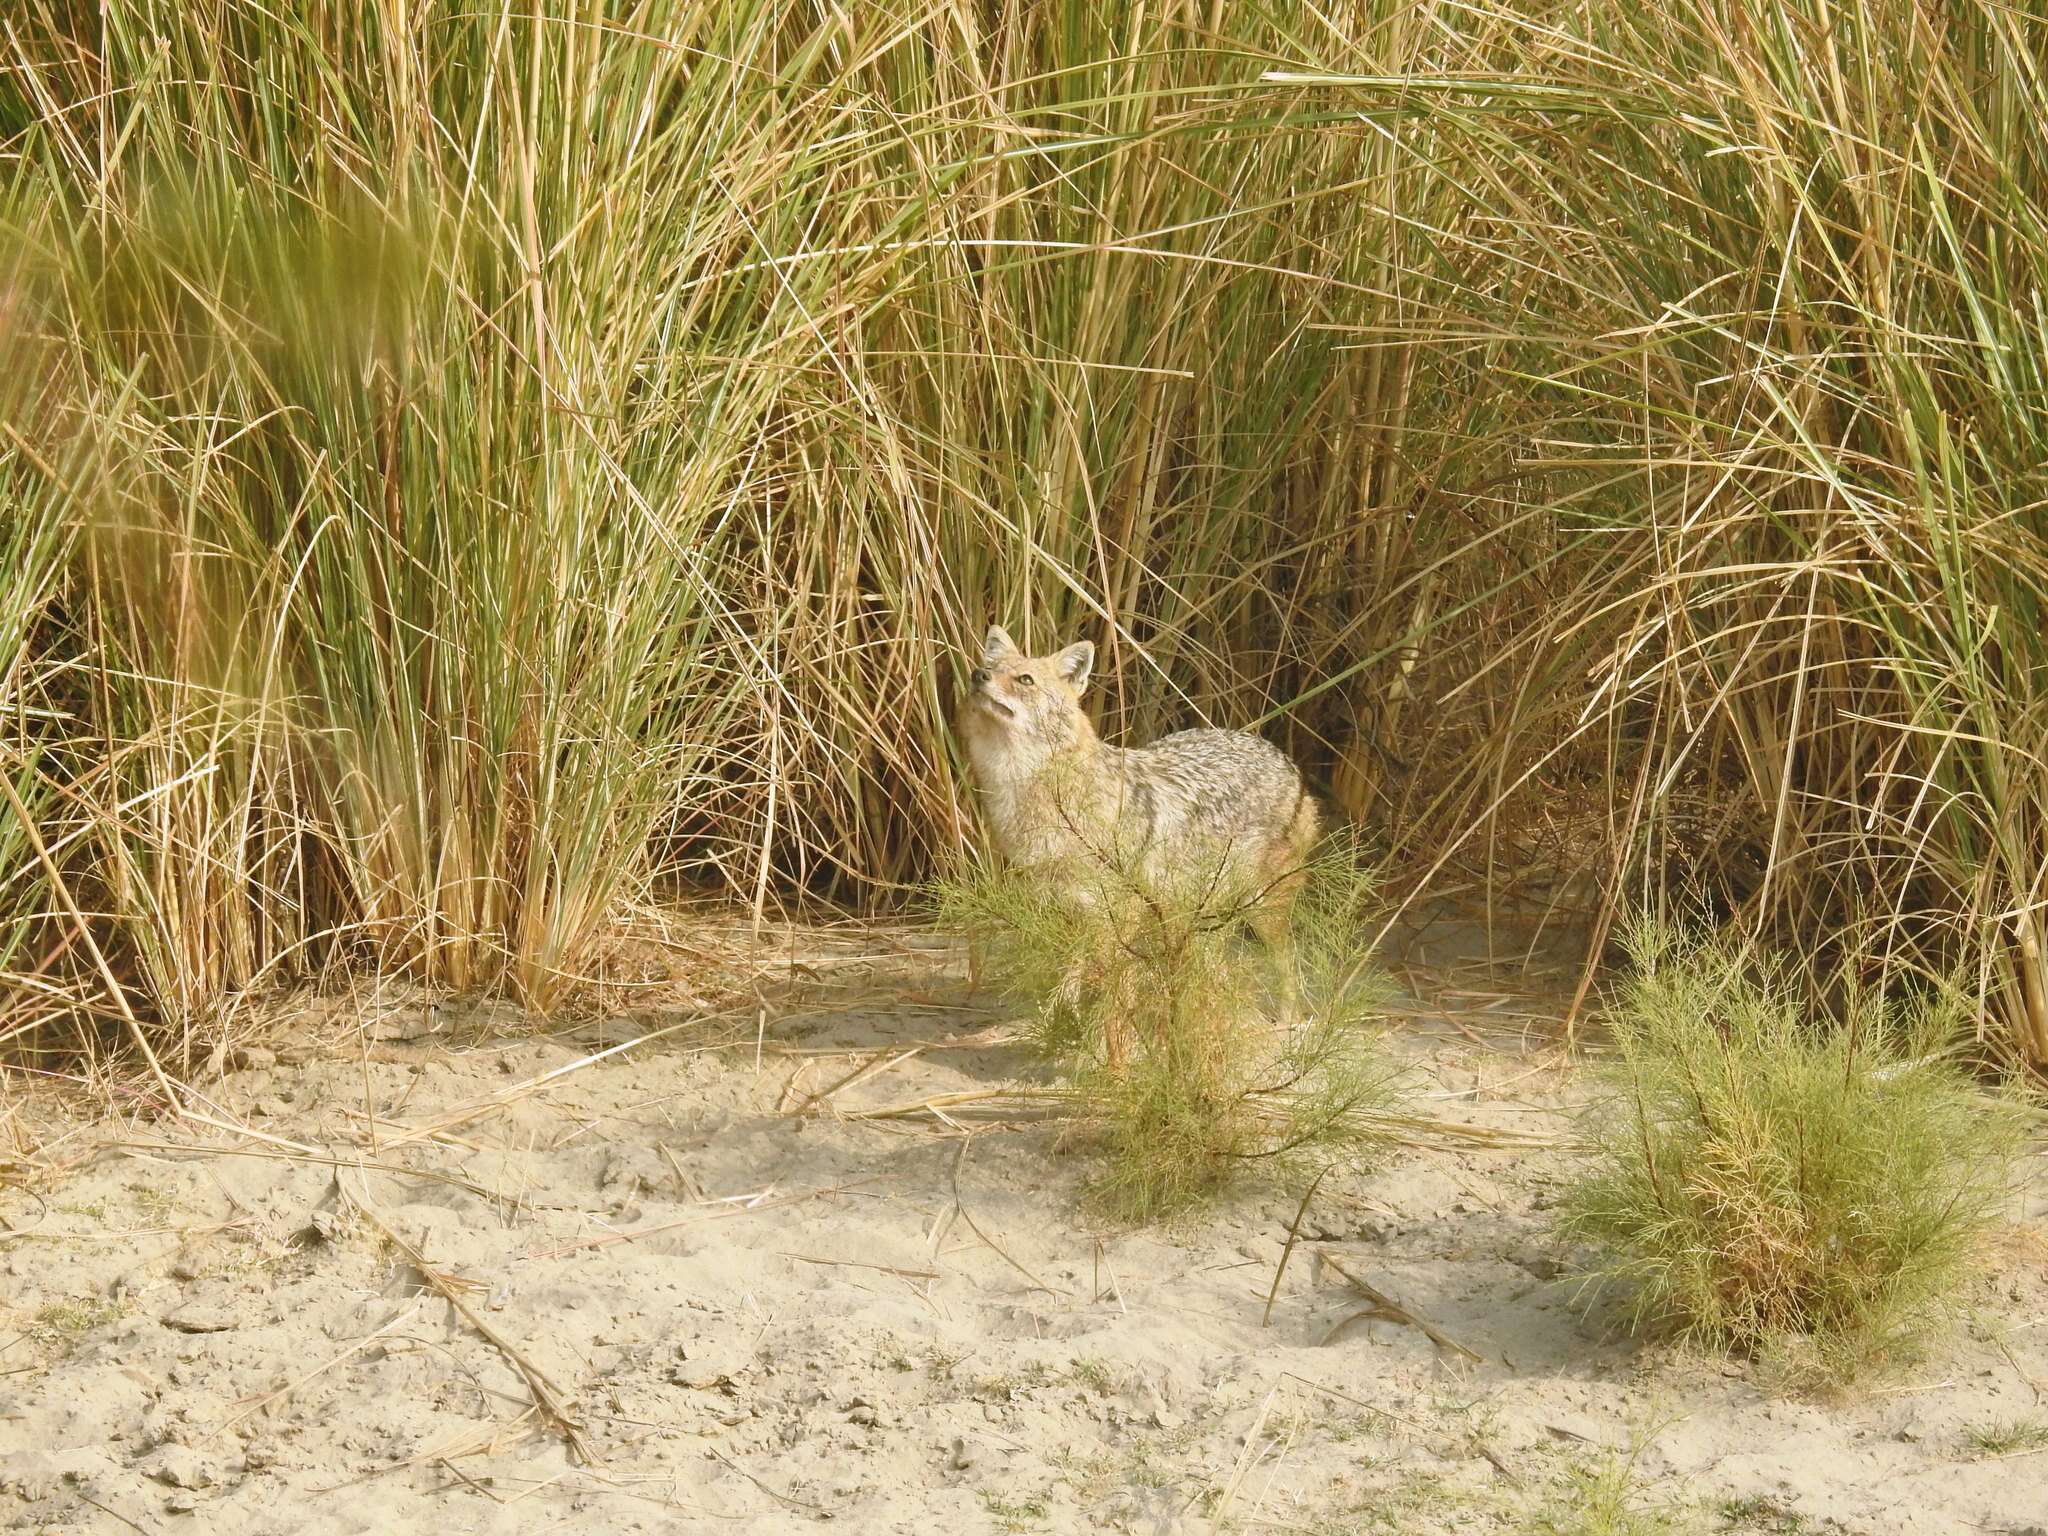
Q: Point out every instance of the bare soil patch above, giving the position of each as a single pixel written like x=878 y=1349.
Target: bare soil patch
x=687 y=1287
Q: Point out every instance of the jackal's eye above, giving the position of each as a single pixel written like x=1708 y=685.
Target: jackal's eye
x=1026 y=680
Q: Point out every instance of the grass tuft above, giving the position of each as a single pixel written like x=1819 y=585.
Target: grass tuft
x=70 y=1320
x=2007 y=1437
x=1775 y=1186
x=1606 y=1497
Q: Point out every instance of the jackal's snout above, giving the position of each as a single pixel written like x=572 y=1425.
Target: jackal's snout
x=981 y=691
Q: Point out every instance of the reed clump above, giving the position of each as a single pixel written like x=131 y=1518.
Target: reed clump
x=466 y=473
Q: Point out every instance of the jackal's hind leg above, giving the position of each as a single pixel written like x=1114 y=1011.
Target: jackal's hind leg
x=1273 y=923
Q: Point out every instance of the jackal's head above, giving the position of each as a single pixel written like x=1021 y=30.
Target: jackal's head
x=1021 y=710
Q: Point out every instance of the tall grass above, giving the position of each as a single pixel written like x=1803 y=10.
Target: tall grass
x=33 y=539
x=494 y=461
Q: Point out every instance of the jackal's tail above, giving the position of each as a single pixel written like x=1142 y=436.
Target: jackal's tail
x=1305 y=827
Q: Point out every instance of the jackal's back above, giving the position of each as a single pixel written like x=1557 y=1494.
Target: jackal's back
x=1208 y=794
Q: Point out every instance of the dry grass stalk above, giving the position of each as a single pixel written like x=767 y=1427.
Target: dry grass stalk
x=960 y=1209
x=882 y=1062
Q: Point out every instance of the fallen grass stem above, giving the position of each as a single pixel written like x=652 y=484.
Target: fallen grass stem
x=605 y=1240
x=960 y=1205
x=547 y=1398
x=1384 y=1307
x=269 y=1399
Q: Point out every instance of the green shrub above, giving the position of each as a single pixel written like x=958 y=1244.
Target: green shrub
x=1155 y=1001
x=1771 y=1184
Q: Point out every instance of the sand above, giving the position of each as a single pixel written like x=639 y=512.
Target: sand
x=673 y=1291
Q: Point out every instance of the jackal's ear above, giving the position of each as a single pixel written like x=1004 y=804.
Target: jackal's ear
x=996 y=643
x=1075 y=663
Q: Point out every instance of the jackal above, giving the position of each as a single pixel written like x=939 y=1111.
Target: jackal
x=1216 y=817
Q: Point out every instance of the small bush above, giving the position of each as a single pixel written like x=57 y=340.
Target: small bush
x=1153 y=998
x=1775 y=1186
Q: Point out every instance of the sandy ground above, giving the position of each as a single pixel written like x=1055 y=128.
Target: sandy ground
x=689 y=1296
